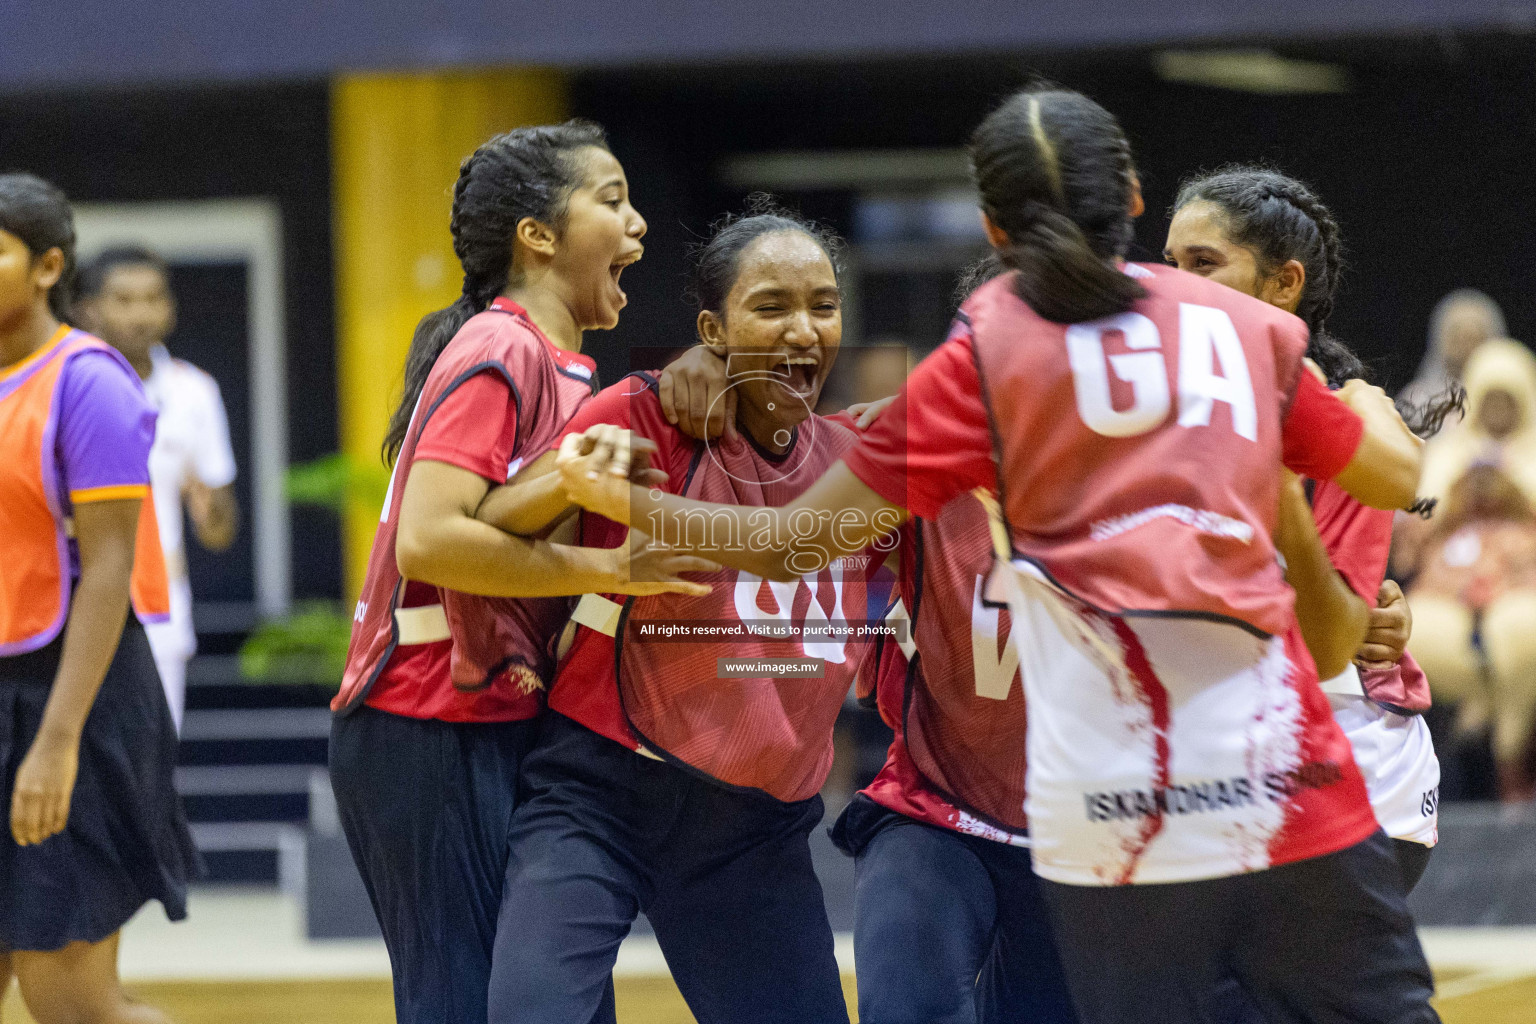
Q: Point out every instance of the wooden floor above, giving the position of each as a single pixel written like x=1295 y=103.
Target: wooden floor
x=1469 y=999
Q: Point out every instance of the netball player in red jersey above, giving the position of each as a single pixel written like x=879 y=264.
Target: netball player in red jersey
x=1194 y=809
x=1268 y=235
x=450 y=647
x=664 y=779
x=94 y=827
x=949 y=923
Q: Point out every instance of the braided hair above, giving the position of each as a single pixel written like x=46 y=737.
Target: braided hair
x=1054 y=172
x=527 y=172
x=1280 y=219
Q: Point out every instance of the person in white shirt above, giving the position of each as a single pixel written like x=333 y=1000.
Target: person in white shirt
x=124 y=297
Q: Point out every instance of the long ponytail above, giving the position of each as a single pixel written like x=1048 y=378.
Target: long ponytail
x=527 y=172
x=433 y=333
x=1054 y=173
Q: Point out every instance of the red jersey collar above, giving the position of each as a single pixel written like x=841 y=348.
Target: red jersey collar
x=573 y=363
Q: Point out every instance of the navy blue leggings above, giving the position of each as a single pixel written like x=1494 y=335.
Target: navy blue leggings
x=425 y=806
x=601 y=833
x=948 y=928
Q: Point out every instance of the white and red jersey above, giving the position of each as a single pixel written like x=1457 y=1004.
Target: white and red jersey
x=654 y=673
x=499 y=394
x=1176 y=730
x=1358 y=540
x=1380 y=710
x=958 y=758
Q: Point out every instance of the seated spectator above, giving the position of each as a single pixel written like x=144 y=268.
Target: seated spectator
x=1474 y=592
x=1500 y=425
x=1461 y=322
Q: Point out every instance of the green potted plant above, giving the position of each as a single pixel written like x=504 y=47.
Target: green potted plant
x=308 y=646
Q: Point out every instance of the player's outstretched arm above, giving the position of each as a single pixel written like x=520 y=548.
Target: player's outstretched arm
x=441 y=542
x=838 y=515
x=1384 y=472
x=534 y=502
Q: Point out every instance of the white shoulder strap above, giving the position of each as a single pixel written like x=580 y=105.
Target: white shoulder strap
x=896 y=616
x=426 y=624
x=597 y=612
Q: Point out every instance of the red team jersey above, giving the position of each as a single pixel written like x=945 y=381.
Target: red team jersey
x=1358 y=540
x=1176 y=729
x=958 y=758
x=625 y=679
x=499 y=394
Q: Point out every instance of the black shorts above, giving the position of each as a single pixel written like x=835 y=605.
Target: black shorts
x=126 y=841
x=425 y=806
x=1321 y=940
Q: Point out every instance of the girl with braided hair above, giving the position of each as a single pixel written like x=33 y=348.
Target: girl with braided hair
x=451 y=644
x=1193 y=809
x=1266 y=234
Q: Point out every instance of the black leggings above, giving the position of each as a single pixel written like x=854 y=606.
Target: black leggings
x=1320 y=940
x=1413 y=858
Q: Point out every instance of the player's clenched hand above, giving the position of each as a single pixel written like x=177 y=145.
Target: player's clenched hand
x=45 y=783
x=616 y=452
x=595 y=467
x=607 y=448
x=1390 y=626
x=652 y=568
x=1373 y=404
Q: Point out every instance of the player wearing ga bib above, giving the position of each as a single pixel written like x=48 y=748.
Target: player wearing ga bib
x=949 y=922
x=1127 y=552
x=1162 y=746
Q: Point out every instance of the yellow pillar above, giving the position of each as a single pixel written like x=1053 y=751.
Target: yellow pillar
x=396 y=143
